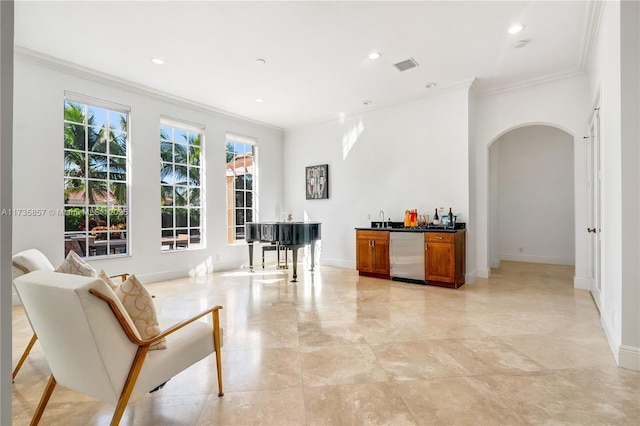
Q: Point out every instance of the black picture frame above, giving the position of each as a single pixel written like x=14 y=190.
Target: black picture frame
x=317 y=182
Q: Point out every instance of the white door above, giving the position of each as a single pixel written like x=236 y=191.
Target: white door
x=594 y=214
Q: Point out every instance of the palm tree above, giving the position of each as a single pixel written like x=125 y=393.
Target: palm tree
x=180 y=181
x=76 y=165
x=186 y=172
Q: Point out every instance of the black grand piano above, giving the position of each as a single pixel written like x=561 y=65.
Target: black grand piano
x=292 y=235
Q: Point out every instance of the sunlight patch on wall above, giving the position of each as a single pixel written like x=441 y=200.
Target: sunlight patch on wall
x=205 y=267
x=351 y=137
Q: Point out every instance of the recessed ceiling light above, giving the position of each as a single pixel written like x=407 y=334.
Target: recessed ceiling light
x=375 y=55
x=157 y=61
x=515 y=28
x=259 y=100
x=367 y=102
x=260 y=61
x=431 y=85
x=520 y=44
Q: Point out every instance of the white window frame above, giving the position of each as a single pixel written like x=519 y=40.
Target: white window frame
x=234 y=228
x=172 y=231
x=96 y=232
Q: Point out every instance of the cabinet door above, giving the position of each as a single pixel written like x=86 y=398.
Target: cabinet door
x=364 y=255
x=440 y=262
x=381 y=257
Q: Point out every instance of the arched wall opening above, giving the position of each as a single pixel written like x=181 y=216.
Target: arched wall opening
x=531 y=211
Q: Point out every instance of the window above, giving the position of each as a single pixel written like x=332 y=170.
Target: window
x=180 y=185
x=95 y=178
x=240 y=157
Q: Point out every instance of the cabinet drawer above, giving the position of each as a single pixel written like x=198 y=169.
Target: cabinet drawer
x=439 y=237
x=373 y=235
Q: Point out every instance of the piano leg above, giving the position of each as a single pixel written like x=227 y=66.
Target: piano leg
x=295 y=264
x=251 y=257
x=313 y=255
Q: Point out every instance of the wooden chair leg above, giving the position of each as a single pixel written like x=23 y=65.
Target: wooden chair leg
x=24 y=355
x=129 y=384
x=216 y=345
x=43 y=400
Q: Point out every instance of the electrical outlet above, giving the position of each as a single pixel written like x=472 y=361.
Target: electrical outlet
x=369 y=216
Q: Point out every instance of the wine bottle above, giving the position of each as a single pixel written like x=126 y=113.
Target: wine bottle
x=436 y=218
x=451 y=225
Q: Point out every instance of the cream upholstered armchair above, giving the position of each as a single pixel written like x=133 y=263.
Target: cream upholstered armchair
x=22 y=263
x=92 y=345
x=28 y=261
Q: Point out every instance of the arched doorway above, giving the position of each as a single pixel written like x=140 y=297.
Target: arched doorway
x=531 y=196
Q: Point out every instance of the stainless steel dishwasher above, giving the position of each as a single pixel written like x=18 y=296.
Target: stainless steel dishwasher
x=406 y=256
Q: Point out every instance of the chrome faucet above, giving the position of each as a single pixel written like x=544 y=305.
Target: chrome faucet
x=382 y=224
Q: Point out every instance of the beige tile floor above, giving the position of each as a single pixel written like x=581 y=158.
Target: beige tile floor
x=522 y=347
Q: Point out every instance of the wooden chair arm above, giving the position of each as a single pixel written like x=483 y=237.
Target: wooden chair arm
x=181 y=324
x=120 y=317
x=147 y=342
x=22 y=268
x=123 y=277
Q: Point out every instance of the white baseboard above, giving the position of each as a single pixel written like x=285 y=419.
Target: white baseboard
x=471 y=277
x=536 y=259
x=610 y=335
x=629 y=357
x=163 y=276
x=339 y=263
x=581 y=283
x=198 y=270
x=483 y=272
x=225 y=266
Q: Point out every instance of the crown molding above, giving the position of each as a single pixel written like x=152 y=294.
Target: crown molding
x=474 y=87
x=86 y=73
x=532 y=84
x=591 y=30
x=465 y=84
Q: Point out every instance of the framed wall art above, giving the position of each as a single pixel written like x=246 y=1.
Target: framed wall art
x=317 y=182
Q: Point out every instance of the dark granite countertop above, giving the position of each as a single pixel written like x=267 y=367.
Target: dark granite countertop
x=399 y=227
x=416 y=229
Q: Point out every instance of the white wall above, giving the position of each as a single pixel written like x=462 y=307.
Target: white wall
x=535 y=212
x=605 y=86
x=492 y=205
x=413 y=155
x=613 y=86
x=560 y=104
x=6 y=118
x=630 y=97
x=38 y=170
x=472 y=222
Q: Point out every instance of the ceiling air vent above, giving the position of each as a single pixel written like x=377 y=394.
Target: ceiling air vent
x=406 y=64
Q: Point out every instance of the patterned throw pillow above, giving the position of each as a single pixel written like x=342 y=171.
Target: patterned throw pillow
x=107 y=279
x=138 y=303
x=73 y=264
